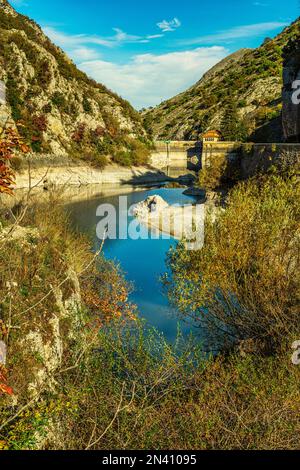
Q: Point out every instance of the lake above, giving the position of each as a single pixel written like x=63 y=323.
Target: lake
x=143 y=261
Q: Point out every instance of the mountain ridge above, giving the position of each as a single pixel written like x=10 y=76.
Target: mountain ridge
x=249 y=78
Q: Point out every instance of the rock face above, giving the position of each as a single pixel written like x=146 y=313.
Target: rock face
x=291 y=109
x=251 y=79
x=55 y=106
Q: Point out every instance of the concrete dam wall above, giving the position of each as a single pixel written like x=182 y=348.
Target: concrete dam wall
x=181 y=155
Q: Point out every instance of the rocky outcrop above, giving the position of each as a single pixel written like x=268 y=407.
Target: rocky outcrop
x=180 y=222
x=291 y=107
x=152 y=206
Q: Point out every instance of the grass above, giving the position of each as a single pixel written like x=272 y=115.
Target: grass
x=136 y=392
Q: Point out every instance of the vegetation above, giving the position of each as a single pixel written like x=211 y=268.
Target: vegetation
x=101 y=144
x=10 y=141
x=219 y=173
x=136 y=392
x=244 y=283
x=81 y=372
x=231 y=127
x=55 y=297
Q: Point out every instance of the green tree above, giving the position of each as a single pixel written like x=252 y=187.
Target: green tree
x=232 y=127
x=244 y=283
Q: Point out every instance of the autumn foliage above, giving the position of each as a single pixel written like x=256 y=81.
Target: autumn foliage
x=10 y=142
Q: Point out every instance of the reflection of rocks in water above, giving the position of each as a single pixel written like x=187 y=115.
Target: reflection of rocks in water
x=68 y=193
x=174 y=185
x=196 y=192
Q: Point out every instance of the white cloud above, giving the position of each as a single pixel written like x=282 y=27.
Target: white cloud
x=145 y=79
x=239 y=32
x=149 y=78
x=155 y=36
x=120 y=37
x=171 y=25
x=82 y=53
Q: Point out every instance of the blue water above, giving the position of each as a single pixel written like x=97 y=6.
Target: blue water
x=142 y=261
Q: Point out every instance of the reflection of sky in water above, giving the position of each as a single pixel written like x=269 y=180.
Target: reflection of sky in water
x=143 y=261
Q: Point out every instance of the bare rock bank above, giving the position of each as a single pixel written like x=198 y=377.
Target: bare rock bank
x=81 y=175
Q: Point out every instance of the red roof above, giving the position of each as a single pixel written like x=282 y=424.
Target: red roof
x=213 y=133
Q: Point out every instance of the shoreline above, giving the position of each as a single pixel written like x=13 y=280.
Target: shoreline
x=83 y=175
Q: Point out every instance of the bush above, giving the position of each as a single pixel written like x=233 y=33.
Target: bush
x=220 y=171
x=98 y=160
x=58 y=99
x=244 y=283
x=122 y=157
x=137 y=392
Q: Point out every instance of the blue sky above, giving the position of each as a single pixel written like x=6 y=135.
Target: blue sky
x=150 y=51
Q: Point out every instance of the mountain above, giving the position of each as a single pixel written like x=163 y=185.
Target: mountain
x=55 y=106
x=249 y=81
x=291 y=74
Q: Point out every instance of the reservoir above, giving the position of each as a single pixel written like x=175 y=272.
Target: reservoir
x=143 y=261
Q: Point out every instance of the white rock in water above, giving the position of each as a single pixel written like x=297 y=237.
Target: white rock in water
x=151 y=205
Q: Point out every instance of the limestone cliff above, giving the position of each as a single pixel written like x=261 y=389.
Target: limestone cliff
x=251 y=79
x=55 y=106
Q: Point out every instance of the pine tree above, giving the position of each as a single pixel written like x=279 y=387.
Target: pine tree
x=230 y=122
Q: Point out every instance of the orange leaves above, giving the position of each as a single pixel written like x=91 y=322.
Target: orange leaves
x=106 y=297
x=4 y=388
x=6 y=179
x=10 y=141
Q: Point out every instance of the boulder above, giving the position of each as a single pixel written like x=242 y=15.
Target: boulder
x=152 y=205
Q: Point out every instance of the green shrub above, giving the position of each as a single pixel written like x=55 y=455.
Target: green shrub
x=58 y=99
x=244 y=283
x=87 y=107
x=96 y=159
x=122 y=157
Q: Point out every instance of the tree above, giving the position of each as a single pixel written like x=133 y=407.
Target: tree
x=232 y=128
x=244 y=283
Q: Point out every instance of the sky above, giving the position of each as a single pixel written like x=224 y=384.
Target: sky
x=150 y=51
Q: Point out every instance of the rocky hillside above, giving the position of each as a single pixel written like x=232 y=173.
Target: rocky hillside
x=250 y=80
x=291 y=110
x=55 y=106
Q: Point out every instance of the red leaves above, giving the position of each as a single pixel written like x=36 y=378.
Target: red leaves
x=79 y=133
x=9 y=142
x=4 y=388
x=40 y=123
x=6 y=179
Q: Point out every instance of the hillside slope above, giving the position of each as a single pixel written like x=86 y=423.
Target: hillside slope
x=250 y=79
x=55 y=106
